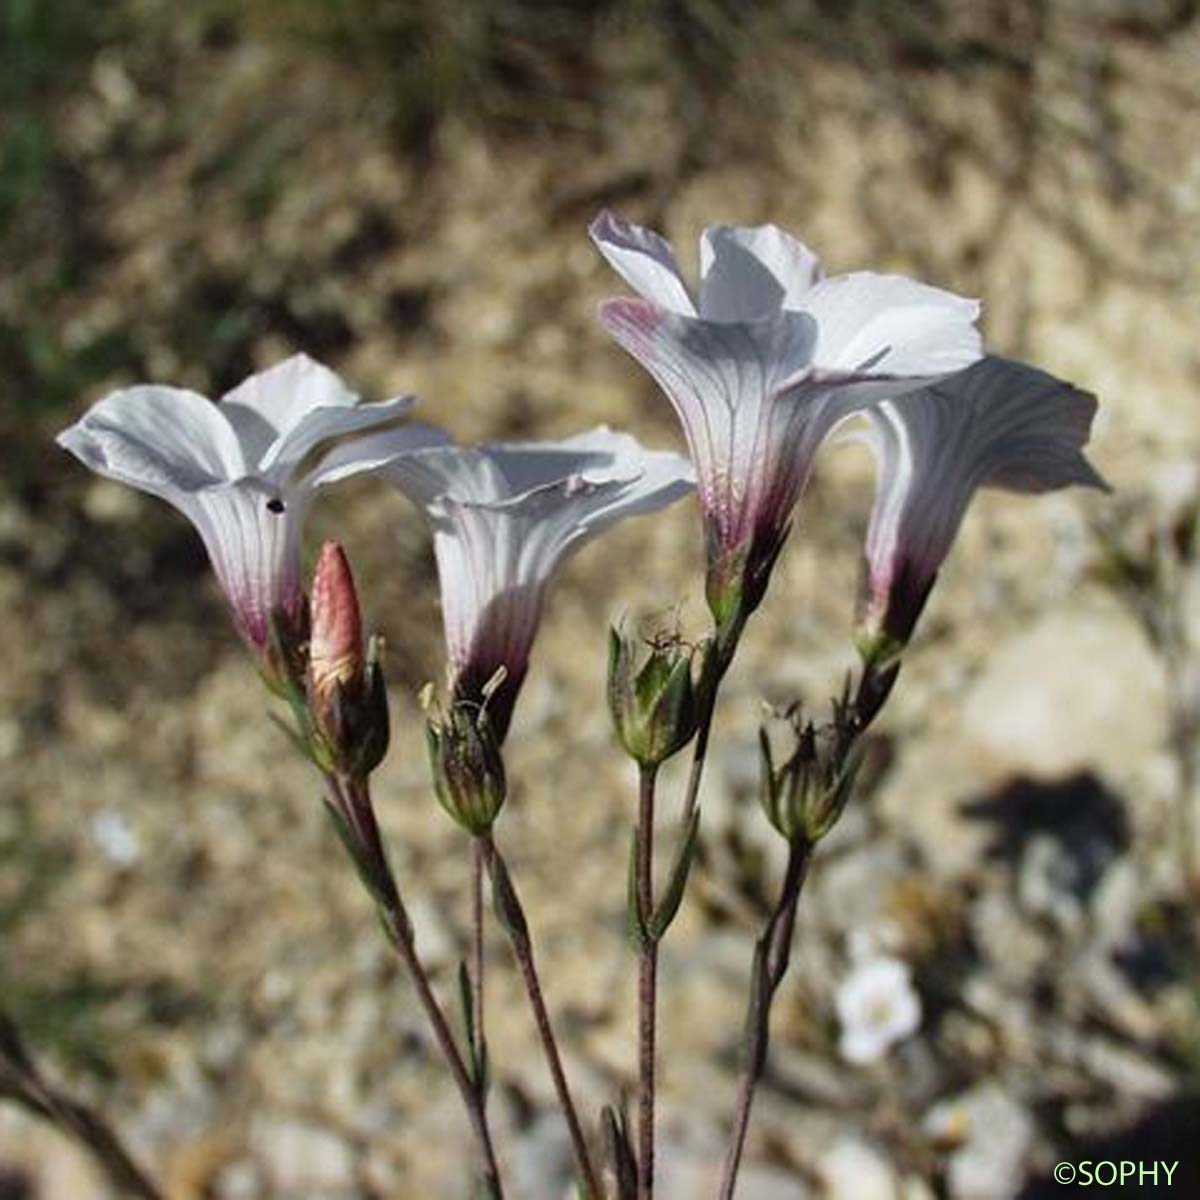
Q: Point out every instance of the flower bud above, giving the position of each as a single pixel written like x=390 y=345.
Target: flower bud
x=655 y=710
x=347 y=702
x=335 y=654
x=467 y=765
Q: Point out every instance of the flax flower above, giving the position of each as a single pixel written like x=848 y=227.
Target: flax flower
x=243 y=471
x=877 y=1007
x=762 y=362
x=504 y=517
x=1001 y=424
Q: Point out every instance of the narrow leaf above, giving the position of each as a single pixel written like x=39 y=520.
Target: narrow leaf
x=619 y=1153
x=467 y=1012
x=685 y=855
x=507 y=904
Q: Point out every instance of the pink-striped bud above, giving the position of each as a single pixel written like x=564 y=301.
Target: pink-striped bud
x=336 y=644
x=347 y=703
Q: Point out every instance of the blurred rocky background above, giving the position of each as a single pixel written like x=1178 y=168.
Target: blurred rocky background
x=401 y=188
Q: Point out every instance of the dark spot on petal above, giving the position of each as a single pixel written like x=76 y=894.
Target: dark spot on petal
x=275 y=505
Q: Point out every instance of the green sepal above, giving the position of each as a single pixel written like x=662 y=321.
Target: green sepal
x=878 y=649
x=375 y=737
x=822 y=815
x=654 y=710
x=467 y=767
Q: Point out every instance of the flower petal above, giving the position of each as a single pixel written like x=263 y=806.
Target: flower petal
x=269 y=405
x=752 y=272
x=504 y=518
x=373 y=451
x=890 y=325
x=288 y=452
x=1001 y=423
x=161 y=440
x=428 y=473
x=253 y=542
x=644 y=260
x=722 y=379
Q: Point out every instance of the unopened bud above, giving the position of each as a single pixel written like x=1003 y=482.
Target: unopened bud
x=654 y=709
x=347 y=702
x=335 y=657
x=467 y=764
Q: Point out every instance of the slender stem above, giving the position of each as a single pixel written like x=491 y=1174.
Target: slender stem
x=522 y=946
x=647 y=984
x=715 y=668
x=692 y=795
x=353 y=805
x=773 y=954
x=20 y=1080
x=396 y=921
x=477 y=951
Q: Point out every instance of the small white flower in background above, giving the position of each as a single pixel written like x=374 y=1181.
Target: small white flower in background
x=243 y=471
x=116 y=837
x=988 y=1136
x=761 y=365
x=504 y=517
x=877 y=1007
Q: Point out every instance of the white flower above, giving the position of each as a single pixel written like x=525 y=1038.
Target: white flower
x=243 y=471
x=504 y=516
x=989 y=1135
x=877 y=1007
x=1000 y=424
x=763 y=363
x=116 y=837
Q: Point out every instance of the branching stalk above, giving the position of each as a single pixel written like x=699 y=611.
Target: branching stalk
x=353 y=803
x=772 y=955
x=22 y=1082
x=512 y=916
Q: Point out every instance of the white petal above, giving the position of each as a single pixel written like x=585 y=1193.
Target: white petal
x=273 y=402
x=1001 y=423
x=161 y=440
x=490 y=606
x=600 y=455
x=752 y=272
x=323 y=427
x=253 y=542
x=504 y=518
x=722 y=379
x=890 y=325
x=371 y=452
x=426 y=474
x=644 y=260
x=861 y=1046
